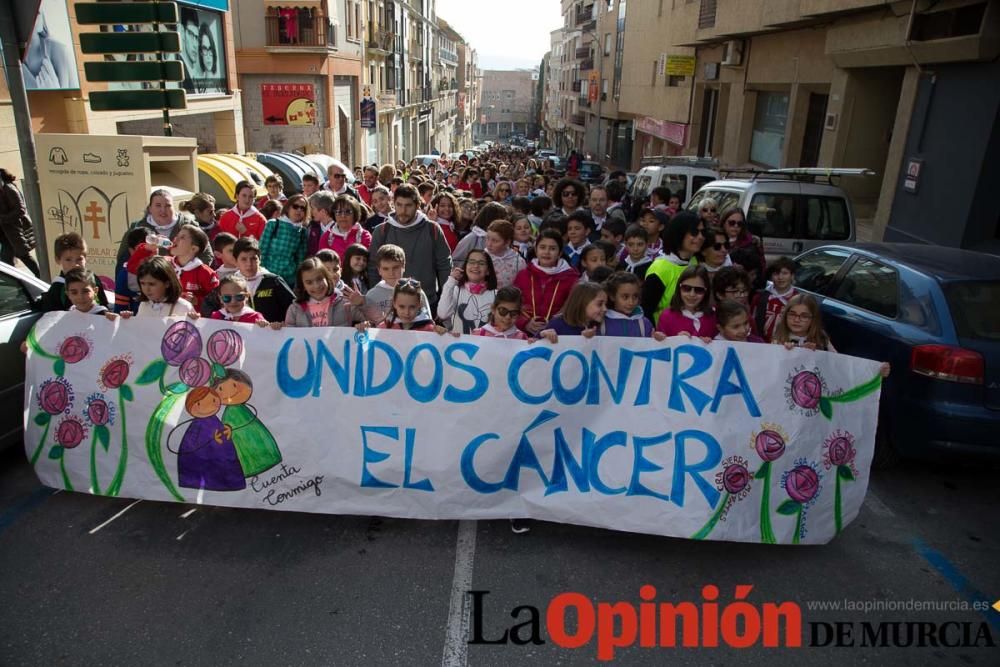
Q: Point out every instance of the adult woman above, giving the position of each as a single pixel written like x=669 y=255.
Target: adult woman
x=161 y=220
x=715 y=251
x=386 y=174
x=347 y=229
x=568 y=195
x=243 y=219
x=488 y=181
x=208 y=58
x=683 y=240
x=503 y=192
x=284 y=243
x=708 y=211
x=734 y=224
x=470 y=182
x=446 y=210
x=202 y=207
x=18 y=234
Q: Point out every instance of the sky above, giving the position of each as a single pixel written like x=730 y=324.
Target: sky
x=506 y=35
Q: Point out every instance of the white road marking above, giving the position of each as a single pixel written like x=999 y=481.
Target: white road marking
x=457 y=629
x=201 y=495
x=115 y=516
x=189 y=513
x=877 y=506
x=181 y=536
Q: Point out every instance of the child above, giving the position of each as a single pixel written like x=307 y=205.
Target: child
x=769 y=303
x=354 y=272
x=613 y=231
x=71 y=253
x=285 y=240
x=504 y=312
x=391 y=261
x=654 y=222
x=126 y=284
x=690 y=312
x=408 y=312
x=731 y=283
x=468 y=294
x=269 y=294
x=541 y=205
x=234 y=295
x=636 y=260
x=801 y=325
x=524 y=233
x=274 y=186
x=579 y=225
x=159 y=291
x=583 y=314
x=331 y=260
x=732 y=318
x=545 y=283
x=625 y=316
x=316 y=302
x=506 y=262
x=197 y=280
x=591 y=257
x=243 y=219
x=81 y=293
x=222 y=248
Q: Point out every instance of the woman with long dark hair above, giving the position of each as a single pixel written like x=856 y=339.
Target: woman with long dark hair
x=18 y=234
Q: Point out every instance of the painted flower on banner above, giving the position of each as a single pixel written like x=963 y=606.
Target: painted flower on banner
x=224 y=347
x=195 y=372
x=70 y=432
x=74 y=349
x=802 y=484
x=735 y=479
x=182 y=341
x=769 y=442
x=99 y=412
x=55 y=396
x=114 y=372
x=804 y=389
x=839 y=454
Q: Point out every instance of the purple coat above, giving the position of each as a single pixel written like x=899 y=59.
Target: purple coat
x=206 y=463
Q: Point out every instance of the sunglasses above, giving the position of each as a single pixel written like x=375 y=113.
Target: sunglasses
x=709 y=210
x=738 y=223
x=687 y=289
x=229 y=298
x=298 y=207
x=338 y=176
x=698 y=232
x=569 y=193
x=720 y=246
x=505 y=312
x=410 y=282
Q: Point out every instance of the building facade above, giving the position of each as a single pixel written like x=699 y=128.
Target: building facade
x=507 y=104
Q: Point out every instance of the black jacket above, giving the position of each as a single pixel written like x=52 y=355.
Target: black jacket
x=272 y=299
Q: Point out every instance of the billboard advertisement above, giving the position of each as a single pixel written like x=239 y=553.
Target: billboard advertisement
x=50 y=61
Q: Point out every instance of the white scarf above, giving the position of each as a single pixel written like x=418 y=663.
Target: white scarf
x=479 y=231
x=694 y=317
x=417 y=220
x=561 y=265
x=492 y=330
x=573 y=250
x=673 y=258
x=253 y=282
x=783 y=298
x=162 y=230
x=190 y=266
x=336 y=230
x=243 y=216
x=630 y=265
x=232 y=317
x=95 y=309
x=615 y=315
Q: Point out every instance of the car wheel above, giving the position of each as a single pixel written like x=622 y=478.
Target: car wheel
x=886 y=455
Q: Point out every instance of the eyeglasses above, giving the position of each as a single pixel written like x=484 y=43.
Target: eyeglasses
x=732 y=291
x=505 y=312
x=229 y=298
x=475 y=262
x=298 y=207
x=697 y=289
x=805 y=317
x=720 y=246
x=343 y=211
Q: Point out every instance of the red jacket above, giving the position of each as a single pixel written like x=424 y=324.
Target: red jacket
x=543 y=294
x=338 y=243
x=254 y=222
x=199 y=280
x=448 y=229
x=365 y=193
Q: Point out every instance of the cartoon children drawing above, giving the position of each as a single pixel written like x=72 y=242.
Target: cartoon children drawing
x=207 y=457
x=255 y=446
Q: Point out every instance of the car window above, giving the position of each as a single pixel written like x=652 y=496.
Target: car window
x=726 y=199
x=827 y=219
x=817 y=269
x=641 y=188
x=973 y=306
x=13 y=298
x=773 y=214
x=677 y=183
x=871 y=286
x=698 y=182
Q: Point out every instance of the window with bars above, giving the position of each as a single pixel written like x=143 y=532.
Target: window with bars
x=706 y=13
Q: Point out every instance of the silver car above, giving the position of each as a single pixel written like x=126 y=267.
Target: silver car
x=18 y=291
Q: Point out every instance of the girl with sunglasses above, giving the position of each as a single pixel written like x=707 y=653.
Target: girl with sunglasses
x=504 y=311
x=734 y=224
x=715 y=252
x=234 y=295
x=690 y=312
x=284 y=243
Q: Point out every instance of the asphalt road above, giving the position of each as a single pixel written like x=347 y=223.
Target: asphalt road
x=170 y=584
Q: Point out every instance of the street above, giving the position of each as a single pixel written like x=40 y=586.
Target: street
x=90 y=580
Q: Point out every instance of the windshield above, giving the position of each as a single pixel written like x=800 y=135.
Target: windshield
x=973 y=307
x=725 y=199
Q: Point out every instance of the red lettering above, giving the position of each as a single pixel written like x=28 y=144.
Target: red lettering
x=555 y=620
x=607 y=640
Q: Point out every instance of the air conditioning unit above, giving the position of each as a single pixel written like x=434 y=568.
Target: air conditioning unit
x=732 y=53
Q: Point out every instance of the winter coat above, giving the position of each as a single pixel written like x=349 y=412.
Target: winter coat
x=428 y=258
x=14 y=220
x=181 y=219
x=543 y=293
x=340 y=314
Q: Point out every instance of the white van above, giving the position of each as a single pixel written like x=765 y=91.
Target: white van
x=792 y=210
x=682 y=175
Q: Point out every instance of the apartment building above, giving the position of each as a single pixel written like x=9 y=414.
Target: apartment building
x=469 y=82
x=507 y=104
x=553 y=124
x=293 y=55
x=608 y=128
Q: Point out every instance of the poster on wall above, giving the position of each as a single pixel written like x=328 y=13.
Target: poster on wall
x=50 y=61
x=369 y=115
x=288 y=103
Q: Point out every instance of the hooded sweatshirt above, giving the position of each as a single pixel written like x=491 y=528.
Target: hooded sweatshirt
x=427 y=256
x=544 y=290
x=378 y=303
x=507 y=266
x=339 y=313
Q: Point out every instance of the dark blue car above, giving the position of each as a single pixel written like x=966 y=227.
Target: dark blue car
x=934 y=314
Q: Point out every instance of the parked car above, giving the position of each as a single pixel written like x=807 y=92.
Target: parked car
x=18 y=291
x=427 y=160
x=792 y=210
x=591 y=172
x=683 y=175
x=934 y=314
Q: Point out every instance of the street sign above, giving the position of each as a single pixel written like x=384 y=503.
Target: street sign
x=107 y=13
x=129 y=42
x=116 y=72
x=138 y=100
x=680 y=66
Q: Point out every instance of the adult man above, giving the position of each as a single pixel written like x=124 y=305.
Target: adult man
x=598 y=210
x=370 y=176
x=190 y=43
x=338 y=182
x=428 y=258
x=617 y=207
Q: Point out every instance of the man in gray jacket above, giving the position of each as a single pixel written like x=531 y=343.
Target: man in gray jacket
x=428 y=258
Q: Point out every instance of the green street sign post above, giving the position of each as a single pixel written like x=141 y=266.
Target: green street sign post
x=155 y=41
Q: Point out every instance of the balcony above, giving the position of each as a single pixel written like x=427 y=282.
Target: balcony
x=302 y=28
x=583 y=52
x=448 y=56
x=381 y=41
x=578 y=119
x=577 y=86
x=587 y=64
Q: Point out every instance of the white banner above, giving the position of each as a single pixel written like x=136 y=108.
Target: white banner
x=740 y=442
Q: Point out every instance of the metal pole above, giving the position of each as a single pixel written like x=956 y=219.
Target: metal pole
x=168 y=130
x=25 y=139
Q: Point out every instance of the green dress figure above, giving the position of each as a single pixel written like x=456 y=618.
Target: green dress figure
x=255 y=446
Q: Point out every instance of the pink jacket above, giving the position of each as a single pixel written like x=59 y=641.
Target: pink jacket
x=337 y=243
